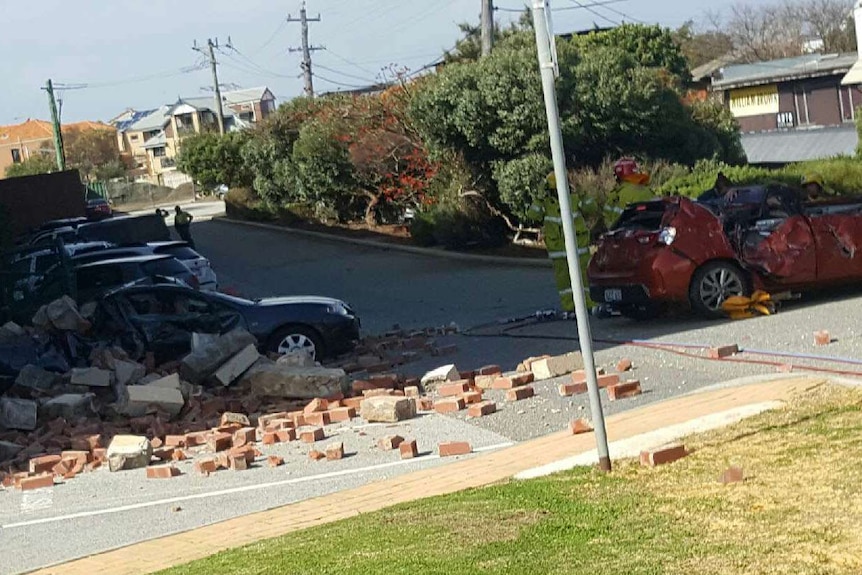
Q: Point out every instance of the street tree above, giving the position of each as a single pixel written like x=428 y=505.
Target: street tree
x=93 y=152
x=211 y=159
x=36 y=164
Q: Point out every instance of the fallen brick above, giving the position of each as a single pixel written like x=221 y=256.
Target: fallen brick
x=481 y=409
x=722 y=351
x=552 y=367
x=387 y=409
x=238 y=462
x=164 y=453
x=662 y=455
x=624 y=364
x=219 y=441
x=277 y=424
x=471 y=397
x=269 y=438
x=162 y=472
x=408 y=449
x=411 y=391
x=63 y=467
x=80 y=457
x=449 y=405
x=424 y=404
x=316 y=455
x=44 y=463
x=247 y=451
x=454 y=388
x=342 y=414
x=567 y=389
x=37 y=482
x=389 y=442
x=334 y=451
x=99 y=454
x=513 y=381
x=520 y=393
x=624 y=390
x=490 y=370
x=467 y=374
x=451 y=448
x=353 y=402
x=603 y=379
x=298 y=419
x=206 y=466
x=274 y=461
x=286 y=435
x=315 y=405
x=318 y=418
x=731 y=475
x=822 y=337
x=178 y=455
x=484 y=381
x=87 y=442
x=244 y=436
x=580 y=426
x=312 y=435
x=264 y=420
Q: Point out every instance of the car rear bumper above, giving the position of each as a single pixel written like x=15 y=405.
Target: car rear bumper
x=663 y=276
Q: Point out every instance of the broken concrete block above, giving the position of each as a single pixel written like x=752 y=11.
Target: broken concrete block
x=275 y=380
x=18 y=413
x=334 y=451
x=33 y=377
x=128 y=372
x=440 y=375
x=296 y=358
x=62 y=315
x=91 y=377
x=556 y=366
x=229 y=417
x=129 y=452
x=141 y=398
x=11 y=331
x=208 y=357
x=70 y=406
x=387 y=409
x=237 y=365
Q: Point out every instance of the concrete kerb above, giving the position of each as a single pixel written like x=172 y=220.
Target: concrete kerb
x=429 y=252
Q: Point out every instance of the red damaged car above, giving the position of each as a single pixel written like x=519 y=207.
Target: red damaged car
x=698 y=253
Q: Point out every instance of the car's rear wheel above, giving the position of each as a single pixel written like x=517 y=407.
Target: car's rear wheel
x=713 y=283
x=295 y=338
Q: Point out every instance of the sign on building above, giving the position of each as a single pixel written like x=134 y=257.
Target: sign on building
x=756 y=101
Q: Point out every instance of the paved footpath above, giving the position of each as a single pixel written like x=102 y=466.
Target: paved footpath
x=474 y=471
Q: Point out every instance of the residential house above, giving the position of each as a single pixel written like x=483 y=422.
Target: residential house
x=252 y=104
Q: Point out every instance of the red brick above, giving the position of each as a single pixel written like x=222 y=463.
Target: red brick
x=264 y=420
x=624 y=390
x=625 y=364
x=352 y=402
x=44 y=463
x=156 y=442
x=178 y=455
x=723 y=351
x=490 y=370
x=449 y=405
x=663 y=455
x=580 y=376
x=519 y=393
x=389 y=380
x=277 y=424
x=286 y=435
x=316 y=455
x=604 y=380
x=247 y=451
x=219 y=441
x=175 y=440
x=451 y=448
x=567 y=389
x=484 y=381
x=732 y=475
x=453 y=388
x=316 y=404
x=513 y=381
x=80 y=457
x=411 y=391
x=164 y=453
x=471 y=397
x=162 y=472
x=424 y=404
x=196 y=438
x=206 y=466
x=37 y=482
x=230 y=428
x=342 y=414
x=318 y=418
x=467 y=374
x=100 y=454
x=481 y=409
x=87 y=442
x=274 y=461
x=408 y=449
x=269 y=438
x=238 y=462
x=822 y=337
x=312 y=435
x=580 y=426
x=335 y=451
x=63 y=467
x=244 y=436
x=389 y=442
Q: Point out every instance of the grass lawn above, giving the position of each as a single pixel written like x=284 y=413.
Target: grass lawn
x=799 y=511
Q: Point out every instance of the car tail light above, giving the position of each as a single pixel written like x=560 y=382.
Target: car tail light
x=667 y=235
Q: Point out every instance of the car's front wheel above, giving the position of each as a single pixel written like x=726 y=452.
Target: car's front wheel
x=297 y=338
x=713 y=284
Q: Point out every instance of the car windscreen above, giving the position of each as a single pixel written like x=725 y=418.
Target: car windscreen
x=98 y=256
x=647 y=216
x=179 y=252
x=169 y=267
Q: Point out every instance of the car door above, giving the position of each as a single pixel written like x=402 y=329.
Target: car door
x=839 y=243
x=780 y=243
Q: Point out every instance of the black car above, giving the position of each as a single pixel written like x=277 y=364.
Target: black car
x=165 y=316
x=94 y=279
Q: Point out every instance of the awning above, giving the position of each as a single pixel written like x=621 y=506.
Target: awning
x=799 y=145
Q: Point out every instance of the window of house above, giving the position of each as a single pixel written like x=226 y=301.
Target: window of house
x=16 y=156
x=151 y=134
x=133 y=137
x=159 y=152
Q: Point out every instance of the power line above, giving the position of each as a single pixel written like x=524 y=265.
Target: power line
x=269 y=40
x=200 y=65
x=345 y=74
x=596 y=12
x=623 y=14
x=563 y=9
x=337 y=83
x=349 y=62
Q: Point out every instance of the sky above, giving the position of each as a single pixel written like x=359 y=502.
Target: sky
x=138 y=54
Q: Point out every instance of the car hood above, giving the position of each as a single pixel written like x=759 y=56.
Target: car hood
x=301 y=299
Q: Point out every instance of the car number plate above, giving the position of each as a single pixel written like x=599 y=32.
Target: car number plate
x=613 y=295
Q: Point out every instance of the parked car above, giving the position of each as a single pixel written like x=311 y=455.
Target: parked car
x=199 y=265
x=98 y=209
x=677 y=251
x=67 y=234
x=126 y=230
x=164 y=316
x=96 y=278
x=31 y=265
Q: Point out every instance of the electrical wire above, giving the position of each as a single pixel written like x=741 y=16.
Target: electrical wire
x=594 y=11
x=269 y=40
x=345 y=74
x=563 y=9
x=623 y=14
x=342 y=84
x=349 y=62
x=134 y=80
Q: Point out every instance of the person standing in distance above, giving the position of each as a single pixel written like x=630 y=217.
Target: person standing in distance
x=183 y=224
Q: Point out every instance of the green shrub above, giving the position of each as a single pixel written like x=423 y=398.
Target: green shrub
x=422 y=229
x=245 y=204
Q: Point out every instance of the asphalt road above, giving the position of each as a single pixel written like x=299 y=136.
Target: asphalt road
x=100 y=511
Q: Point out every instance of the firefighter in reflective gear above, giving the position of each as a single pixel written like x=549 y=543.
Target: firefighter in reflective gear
x=631 y=187
x=814 y=190
x=548 y=210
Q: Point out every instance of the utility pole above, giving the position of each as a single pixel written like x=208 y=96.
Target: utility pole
x=548 y=68
x=58 y=132
x=305 y=49
x=210 y=53
x=487 y=26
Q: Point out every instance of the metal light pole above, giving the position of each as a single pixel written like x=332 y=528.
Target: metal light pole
x=548 y=69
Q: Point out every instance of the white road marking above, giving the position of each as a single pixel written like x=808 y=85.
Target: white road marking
x=256 y=487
